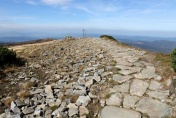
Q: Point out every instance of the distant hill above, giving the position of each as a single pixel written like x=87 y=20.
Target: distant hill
x=16 y=39
x=163 y=46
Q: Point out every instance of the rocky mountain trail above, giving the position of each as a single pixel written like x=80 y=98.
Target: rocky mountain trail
x=86 y=78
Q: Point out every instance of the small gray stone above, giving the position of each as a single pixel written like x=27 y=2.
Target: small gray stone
x=168 y=82
x=115 y=100
x=19 y=103
x=73 y=109
x=14 y=108
x=69 y=92
x=28 y=110
x=81 y=81
x=84 y=100
x=158 y=78
x=89 y=83
x=49 y=91
x=80 y=92
x=97 y=78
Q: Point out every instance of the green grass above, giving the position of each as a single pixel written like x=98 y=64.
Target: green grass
x=164 y=59
x=53 y=108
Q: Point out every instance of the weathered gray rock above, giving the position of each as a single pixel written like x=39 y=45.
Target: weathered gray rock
x=168 y=82
x=80 y=92
x=115 y=100
x=138 y=87
x=158 y=78
x=38 y=112
x=19 y=103
x=153 y=108
x=127 y=72
x=124 y=88
x=14 y=108
x=97 y=78
x=155 y=85
x=37 y=91
x=120 y=79
x=73 y=109
x=84 y=100
x=115 y=112
x=69 y=92
x=130 y=101
x=147 y=73
x=162 y=95
x=49 y=91
x=81 y=81
x=89 y=83
x=28 y=110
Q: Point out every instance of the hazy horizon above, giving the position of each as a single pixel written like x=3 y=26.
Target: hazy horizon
x=55 y=17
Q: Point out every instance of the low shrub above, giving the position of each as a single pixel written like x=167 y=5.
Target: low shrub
x=108 y=37
x=9 y=57
x=173 y=57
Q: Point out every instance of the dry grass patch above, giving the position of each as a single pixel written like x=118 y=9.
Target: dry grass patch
x=26 y=85
x=23 y=94
x=7 y=101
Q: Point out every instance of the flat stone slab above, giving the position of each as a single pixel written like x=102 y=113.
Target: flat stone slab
x=122 y=88
x=162 y=95
x=130 y=101
x=122 y=67
x=147 y=73
x=120 y=79
x=127 y=72
x=138 y=87
x=155 y=85
x=121 y=61
x=115 y=112
x=154 y=108
x=114 y=100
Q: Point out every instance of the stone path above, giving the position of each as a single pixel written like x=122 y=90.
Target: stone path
x=92 y=78
x=144 y=95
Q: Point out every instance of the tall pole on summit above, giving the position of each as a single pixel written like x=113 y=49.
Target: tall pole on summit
x=83 y=33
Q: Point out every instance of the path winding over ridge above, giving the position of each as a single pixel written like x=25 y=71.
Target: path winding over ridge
x=140 y=88
x=90 y=77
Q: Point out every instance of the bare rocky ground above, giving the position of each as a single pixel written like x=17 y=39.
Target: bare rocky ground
x=85 y=78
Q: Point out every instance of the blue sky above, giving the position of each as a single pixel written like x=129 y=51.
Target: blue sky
x=121 y=17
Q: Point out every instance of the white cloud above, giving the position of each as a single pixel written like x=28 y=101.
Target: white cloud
x=84 y=9
x=55 y=2
x=31 y=2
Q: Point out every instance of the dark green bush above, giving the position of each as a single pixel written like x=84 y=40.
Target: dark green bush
x=173 y=57
x=108 y=37
x=7 y=57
